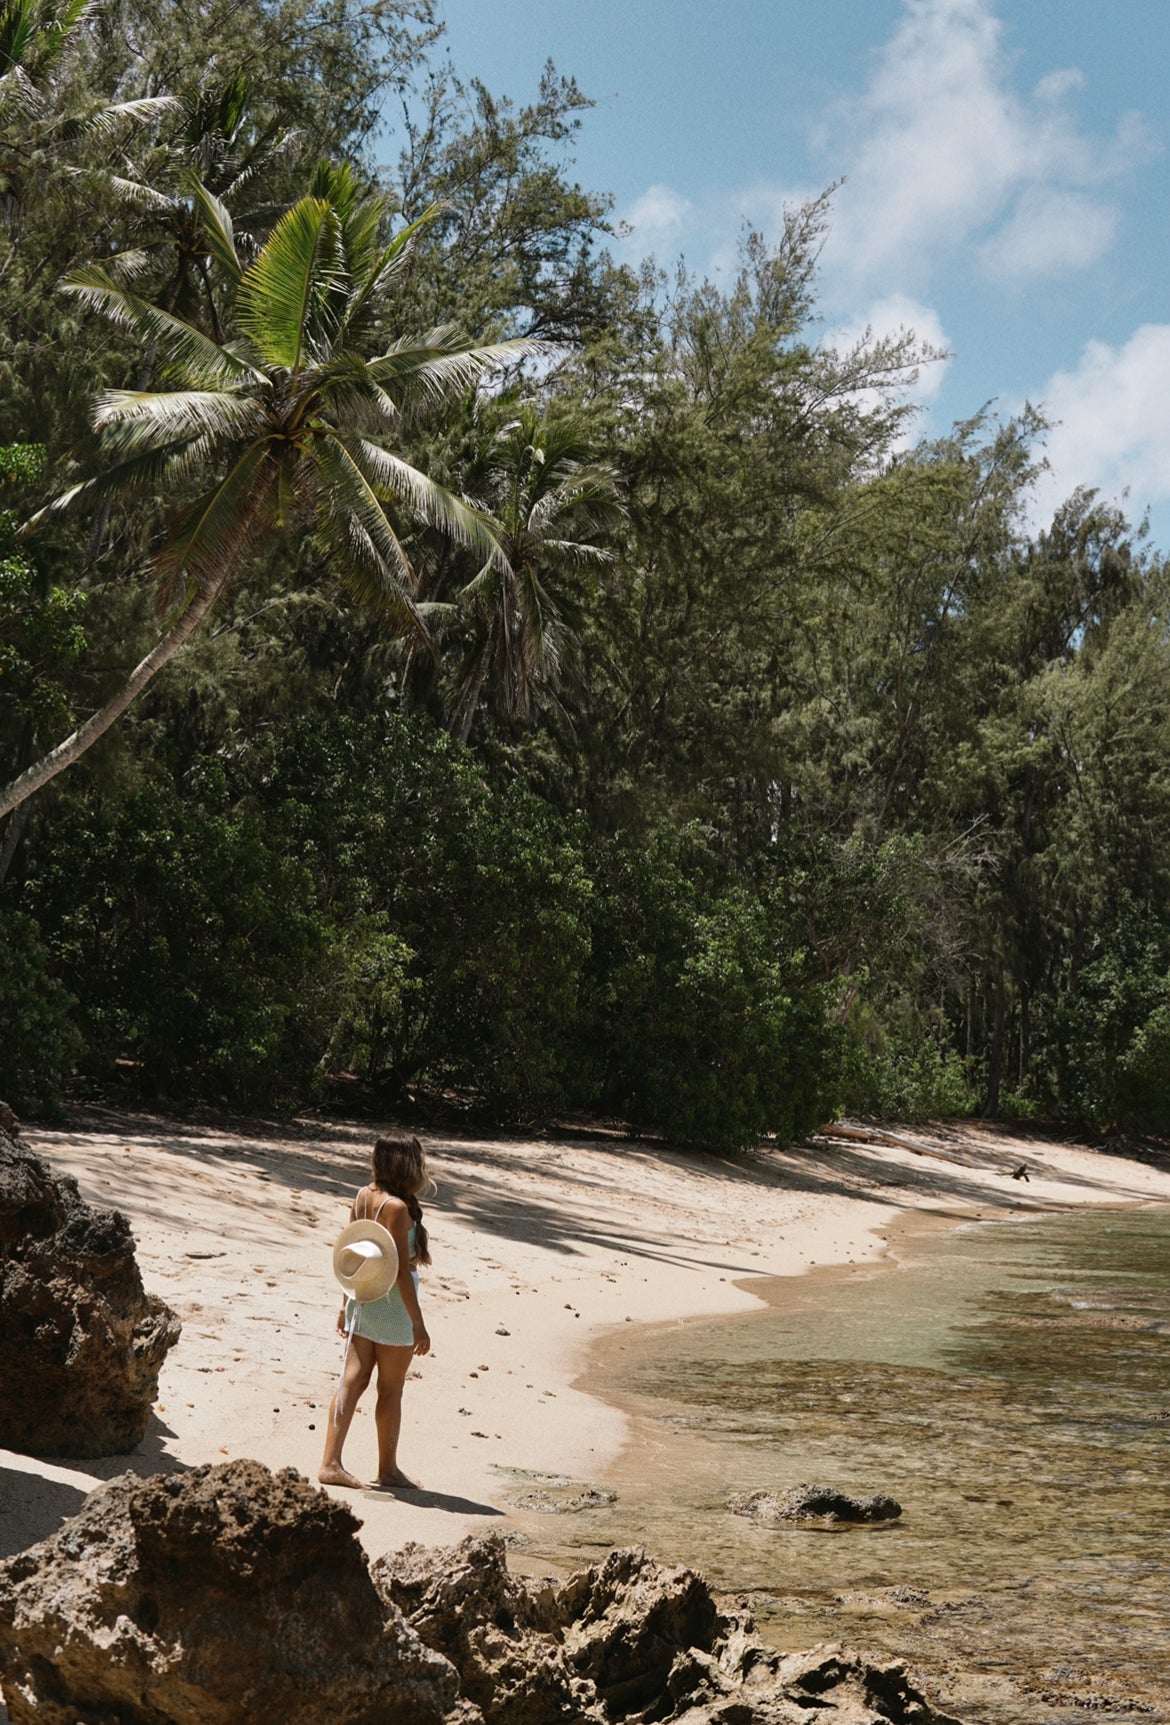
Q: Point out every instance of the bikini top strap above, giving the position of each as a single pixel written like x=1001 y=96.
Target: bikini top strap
x=359 y=1201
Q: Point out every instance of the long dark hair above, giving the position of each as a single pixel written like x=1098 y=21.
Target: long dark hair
x=400 y=1168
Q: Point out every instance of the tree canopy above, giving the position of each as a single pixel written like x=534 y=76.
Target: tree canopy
x=594 y=698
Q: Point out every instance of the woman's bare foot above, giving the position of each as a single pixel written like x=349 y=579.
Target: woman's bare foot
x=399 y=1479
x=338 y=1476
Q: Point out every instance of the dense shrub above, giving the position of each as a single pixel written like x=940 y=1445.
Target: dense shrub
x=897 y=1065
x=193 y=944
x=39 y=1038
x=706 y=1026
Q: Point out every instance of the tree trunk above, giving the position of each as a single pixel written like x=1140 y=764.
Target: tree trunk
x=995 y=1057
x=12 y=837
x=84 y=737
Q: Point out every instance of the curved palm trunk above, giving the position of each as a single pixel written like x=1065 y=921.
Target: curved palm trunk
x=84 y=737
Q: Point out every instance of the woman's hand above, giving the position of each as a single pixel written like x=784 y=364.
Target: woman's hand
x=341 y=1322
x=422 y=1342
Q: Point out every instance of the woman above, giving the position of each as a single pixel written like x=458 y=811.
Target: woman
x=387 y=1333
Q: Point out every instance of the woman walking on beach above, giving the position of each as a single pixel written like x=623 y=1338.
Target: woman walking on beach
x=388 y=1332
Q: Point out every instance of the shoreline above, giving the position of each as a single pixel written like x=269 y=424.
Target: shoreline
x=544 y=1250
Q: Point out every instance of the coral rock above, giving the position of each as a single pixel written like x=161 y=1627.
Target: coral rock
x=814 y=1503
x=81 y=1342
x=207 y=1598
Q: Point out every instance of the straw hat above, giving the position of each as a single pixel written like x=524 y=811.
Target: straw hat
x=365 y=1260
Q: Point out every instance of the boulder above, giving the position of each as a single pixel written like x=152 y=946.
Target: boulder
x=225 y=1594
x=814 y=1503
x=599 y=1647
x=81 y=1342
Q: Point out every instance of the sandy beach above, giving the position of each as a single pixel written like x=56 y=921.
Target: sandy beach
x=540 y=1246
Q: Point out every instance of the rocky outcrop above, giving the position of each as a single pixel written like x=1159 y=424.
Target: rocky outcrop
x=814 y=1503
x=230 y=1593
x=625 y=1640
x=207 y=1598
x=502 y=1634
x=81 y=1342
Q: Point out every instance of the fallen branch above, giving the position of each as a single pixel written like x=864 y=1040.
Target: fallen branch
x=898 y=1140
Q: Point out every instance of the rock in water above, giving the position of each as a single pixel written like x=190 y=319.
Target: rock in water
x=223 y=1595
x=626 y=1622
x=824 y=1683
x=814 y=1503
x=81 y=1342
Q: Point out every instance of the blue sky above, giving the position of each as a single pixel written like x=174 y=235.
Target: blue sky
x=1006 y=181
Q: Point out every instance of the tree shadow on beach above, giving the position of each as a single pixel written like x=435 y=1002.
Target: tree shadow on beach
x=484 y=1179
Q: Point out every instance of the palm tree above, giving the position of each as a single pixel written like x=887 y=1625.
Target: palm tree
x=290 y=419
x=220 y=142
x=549 y=500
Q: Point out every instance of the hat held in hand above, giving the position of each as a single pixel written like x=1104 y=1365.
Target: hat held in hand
x=365 y=1260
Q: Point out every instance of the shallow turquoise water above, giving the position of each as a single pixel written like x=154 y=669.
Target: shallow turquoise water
x=1009 y=1383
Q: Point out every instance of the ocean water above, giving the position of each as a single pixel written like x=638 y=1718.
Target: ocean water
x=1008 y=1383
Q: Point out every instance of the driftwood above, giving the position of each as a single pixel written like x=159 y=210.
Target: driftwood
x=898 y=1140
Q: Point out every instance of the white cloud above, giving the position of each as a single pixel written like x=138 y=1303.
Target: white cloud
x=1113 y=423
x=659 y=217
x=942 y=153
x=1049 y=231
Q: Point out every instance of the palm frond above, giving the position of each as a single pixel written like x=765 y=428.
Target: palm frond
x=152 y=470
x=434 y=368
x=389 y=475
x=138 y=195
x=110 y=118
x=295 y=267
x=374 y=563
x=212 y=534
x=183 y=349
x=217 y=229
x=137 y=420
x=373 y=280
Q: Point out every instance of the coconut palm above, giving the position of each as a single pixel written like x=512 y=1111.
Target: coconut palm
x=293 y=424
x=217 y=140
x=549 y=501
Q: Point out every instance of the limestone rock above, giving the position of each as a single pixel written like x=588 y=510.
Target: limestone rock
x=626 y=1640
x=599 y=1647
x=814 y=1503
x=502 y=1634
x=824 y=1682
x=225 y=1594
x=81 y=1342
x=627 y=1620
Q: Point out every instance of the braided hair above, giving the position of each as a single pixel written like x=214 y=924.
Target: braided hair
x=400 y=1168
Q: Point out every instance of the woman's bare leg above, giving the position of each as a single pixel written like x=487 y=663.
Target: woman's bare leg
x=359 y=1368
x=392 y=1368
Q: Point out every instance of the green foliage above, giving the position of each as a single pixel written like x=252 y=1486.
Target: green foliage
x=803 y=774
x=706 y=1023
x=195 y=947
x=464 y=911
x=40 y=1041
x=896 y=1068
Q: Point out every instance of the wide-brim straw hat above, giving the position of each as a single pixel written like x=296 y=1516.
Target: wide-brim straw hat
x=365 y=1260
